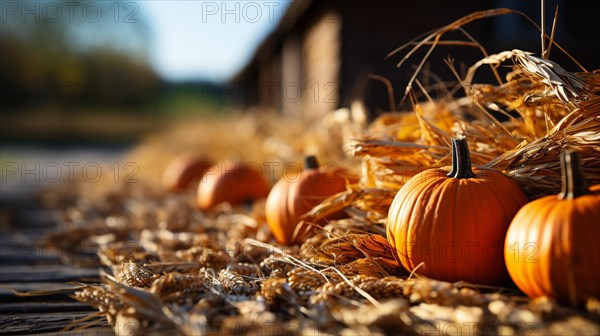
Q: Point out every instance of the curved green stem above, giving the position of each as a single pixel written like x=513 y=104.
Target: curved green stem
x=573 y=181
x=461 y=159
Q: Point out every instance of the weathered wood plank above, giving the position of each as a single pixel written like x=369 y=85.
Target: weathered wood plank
x=40 y=219
x=23 y=212
x=43 y=307
x=13 y=252
x=15 y=324
x=47 y=273
x=32 y=253
x=94 y=331
x=28 y=264
x=7 y=291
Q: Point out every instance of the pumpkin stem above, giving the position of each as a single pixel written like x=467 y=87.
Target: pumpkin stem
x=573 y=181
x=310 y=162
x=454 y=160
x=461 y=159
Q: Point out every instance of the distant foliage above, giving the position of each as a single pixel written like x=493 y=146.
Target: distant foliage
x=59 y=54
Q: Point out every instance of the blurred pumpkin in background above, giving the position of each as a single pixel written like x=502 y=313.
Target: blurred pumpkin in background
x=293 y=196
x=183 y=170
x=231 y=182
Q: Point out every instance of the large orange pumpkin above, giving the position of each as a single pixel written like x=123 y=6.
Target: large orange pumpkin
x=231 y=182
x=454 y=220
x=293 y=196
x=183 y=170
x=552 y=246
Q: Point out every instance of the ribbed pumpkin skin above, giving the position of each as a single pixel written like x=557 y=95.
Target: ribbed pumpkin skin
x=183 y=170
x=277 y=213
x=455 y=226
x=552 y=248
x=231 y=182
x=291 y=198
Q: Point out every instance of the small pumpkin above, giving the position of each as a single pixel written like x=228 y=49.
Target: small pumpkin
x=183 y=170
x=231 y=182
x=292 y=197
x=552 y=244
x=454 y=220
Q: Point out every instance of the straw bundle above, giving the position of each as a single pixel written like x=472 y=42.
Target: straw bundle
x=548 y=109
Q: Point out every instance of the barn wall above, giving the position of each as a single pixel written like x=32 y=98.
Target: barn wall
x=321 y=60
x=291 y=74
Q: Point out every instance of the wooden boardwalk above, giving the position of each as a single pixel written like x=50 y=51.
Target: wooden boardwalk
x=27 y=265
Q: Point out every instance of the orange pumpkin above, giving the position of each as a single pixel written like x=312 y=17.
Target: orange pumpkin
x=183 y=170
x=293 y=196
x=454 y=220
x=231 y=182
x=552 y=244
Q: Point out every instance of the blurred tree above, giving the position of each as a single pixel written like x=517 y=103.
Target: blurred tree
x=74 y=53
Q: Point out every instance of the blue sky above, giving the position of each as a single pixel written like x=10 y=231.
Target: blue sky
x=206 y=39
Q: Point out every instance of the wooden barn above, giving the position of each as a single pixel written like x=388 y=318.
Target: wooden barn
x=321 y=54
